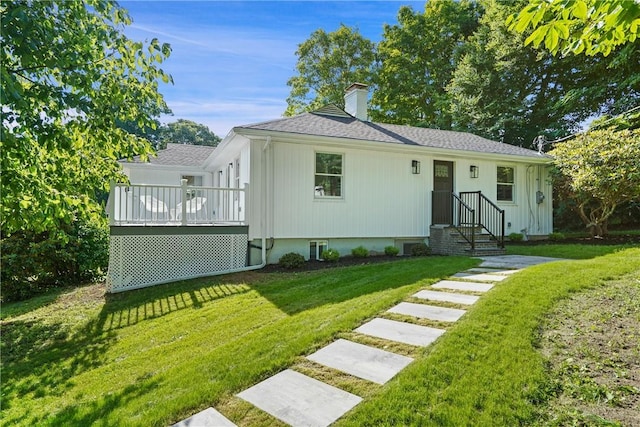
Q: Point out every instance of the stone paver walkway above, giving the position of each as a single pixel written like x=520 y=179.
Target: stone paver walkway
x=403 y=332
x=462 y=286
x=431 y=312
x=300 y=400
x=361 y=361
x=446 y=297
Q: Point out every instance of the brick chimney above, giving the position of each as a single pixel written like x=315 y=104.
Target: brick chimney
x=355 y=100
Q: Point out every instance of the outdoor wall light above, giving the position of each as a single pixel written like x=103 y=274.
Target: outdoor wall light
x=473 y=171
x=415 y=167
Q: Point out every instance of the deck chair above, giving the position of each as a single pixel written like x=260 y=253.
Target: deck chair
x=196 y=209
x=154 y=209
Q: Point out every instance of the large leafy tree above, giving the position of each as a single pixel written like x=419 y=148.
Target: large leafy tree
x=589 y=26
x=417 y=59
x=601 y=170
x=327 y=64
x=69 y=78
x=186 y=132
x=504 y=90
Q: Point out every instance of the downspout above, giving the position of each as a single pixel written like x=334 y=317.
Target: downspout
x=263 y=203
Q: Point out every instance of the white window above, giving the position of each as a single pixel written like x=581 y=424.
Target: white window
x=316 y=248
x=328 y=175
x=506 y=184
x=193 y=180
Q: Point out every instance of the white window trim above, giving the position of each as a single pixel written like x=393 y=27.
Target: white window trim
x=323 y=197
x=318 y=243
x=513 y=185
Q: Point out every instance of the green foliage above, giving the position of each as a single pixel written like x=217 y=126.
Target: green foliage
x=578 y=26
x=330 y=255
x=360 y=252
x=391 y=251
x=328 y=63
x=509 y=92
x=417 y=58
x=186 y=132
x=601 y=168
x=291 y=260
x=420 y=249
x=556 y=236
x=34 y=262
x=516 y=237
x=69 y=77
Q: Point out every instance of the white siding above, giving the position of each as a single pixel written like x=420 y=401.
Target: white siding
x=381 y=197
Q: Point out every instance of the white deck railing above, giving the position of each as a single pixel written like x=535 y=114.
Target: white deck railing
x=141 y=204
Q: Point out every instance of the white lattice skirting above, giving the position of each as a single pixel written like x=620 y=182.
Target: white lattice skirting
x=146 y=256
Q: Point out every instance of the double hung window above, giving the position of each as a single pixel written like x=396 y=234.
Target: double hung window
x=506 y=184
x=328 y=175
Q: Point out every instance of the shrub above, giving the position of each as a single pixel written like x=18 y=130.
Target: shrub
x=556 y=236
x=391 y=251
x=291 y=260
x=330 y=255
x=420 y=249
x=360 y=252
x=35 y=262
x=516 y=237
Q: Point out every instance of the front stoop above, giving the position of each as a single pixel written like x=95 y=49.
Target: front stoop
x=445 y=240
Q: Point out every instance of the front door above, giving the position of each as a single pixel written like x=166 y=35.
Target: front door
x=442 y=202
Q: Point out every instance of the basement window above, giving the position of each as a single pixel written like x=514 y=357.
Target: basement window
x=316 y=247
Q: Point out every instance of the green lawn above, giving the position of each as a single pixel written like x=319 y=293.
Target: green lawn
x=487 y=370
x=158 y=355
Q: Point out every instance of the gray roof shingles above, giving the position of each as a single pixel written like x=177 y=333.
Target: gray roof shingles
x=320 y=123
x=179 y=155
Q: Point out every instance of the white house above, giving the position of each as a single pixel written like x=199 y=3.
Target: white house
x=331 y=178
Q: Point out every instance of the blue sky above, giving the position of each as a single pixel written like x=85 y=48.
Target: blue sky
x=231 y=59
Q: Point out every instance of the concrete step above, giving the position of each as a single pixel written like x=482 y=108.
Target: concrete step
x=486 y=251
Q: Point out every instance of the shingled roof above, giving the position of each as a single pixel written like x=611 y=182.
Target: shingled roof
x=179 y=155
x=326 y=122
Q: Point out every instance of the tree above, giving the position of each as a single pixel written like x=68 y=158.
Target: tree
x=186 y=132
x=601 y=168
x=327 y=64
x=69 y=77
x=506 y=91
x=417 y=59
x=589 y=26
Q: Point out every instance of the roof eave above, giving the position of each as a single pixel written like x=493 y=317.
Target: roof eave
x=292 y=137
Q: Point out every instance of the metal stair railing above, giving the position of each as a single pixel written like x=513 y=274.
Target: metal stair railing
x=489 y=216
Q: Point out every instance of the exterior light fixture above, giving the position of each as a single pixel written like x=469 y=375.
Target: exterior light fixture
x=415 y=167
x=473 y=171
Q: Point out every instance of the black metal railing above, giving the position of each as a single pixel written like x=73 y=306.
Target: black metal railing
x=469 y=212
x=464 y=220
x=488 y=215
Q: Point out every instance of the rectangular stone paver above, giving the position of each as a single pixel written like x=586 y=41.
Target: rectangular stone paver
x=446 y=297
x=207 y=418
x=491 y=270
x=424 y=311
x=480 y=277
x=462 y=286
x=514 y=261
x=361 y=360
x=407 y=333
x=299 y=400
